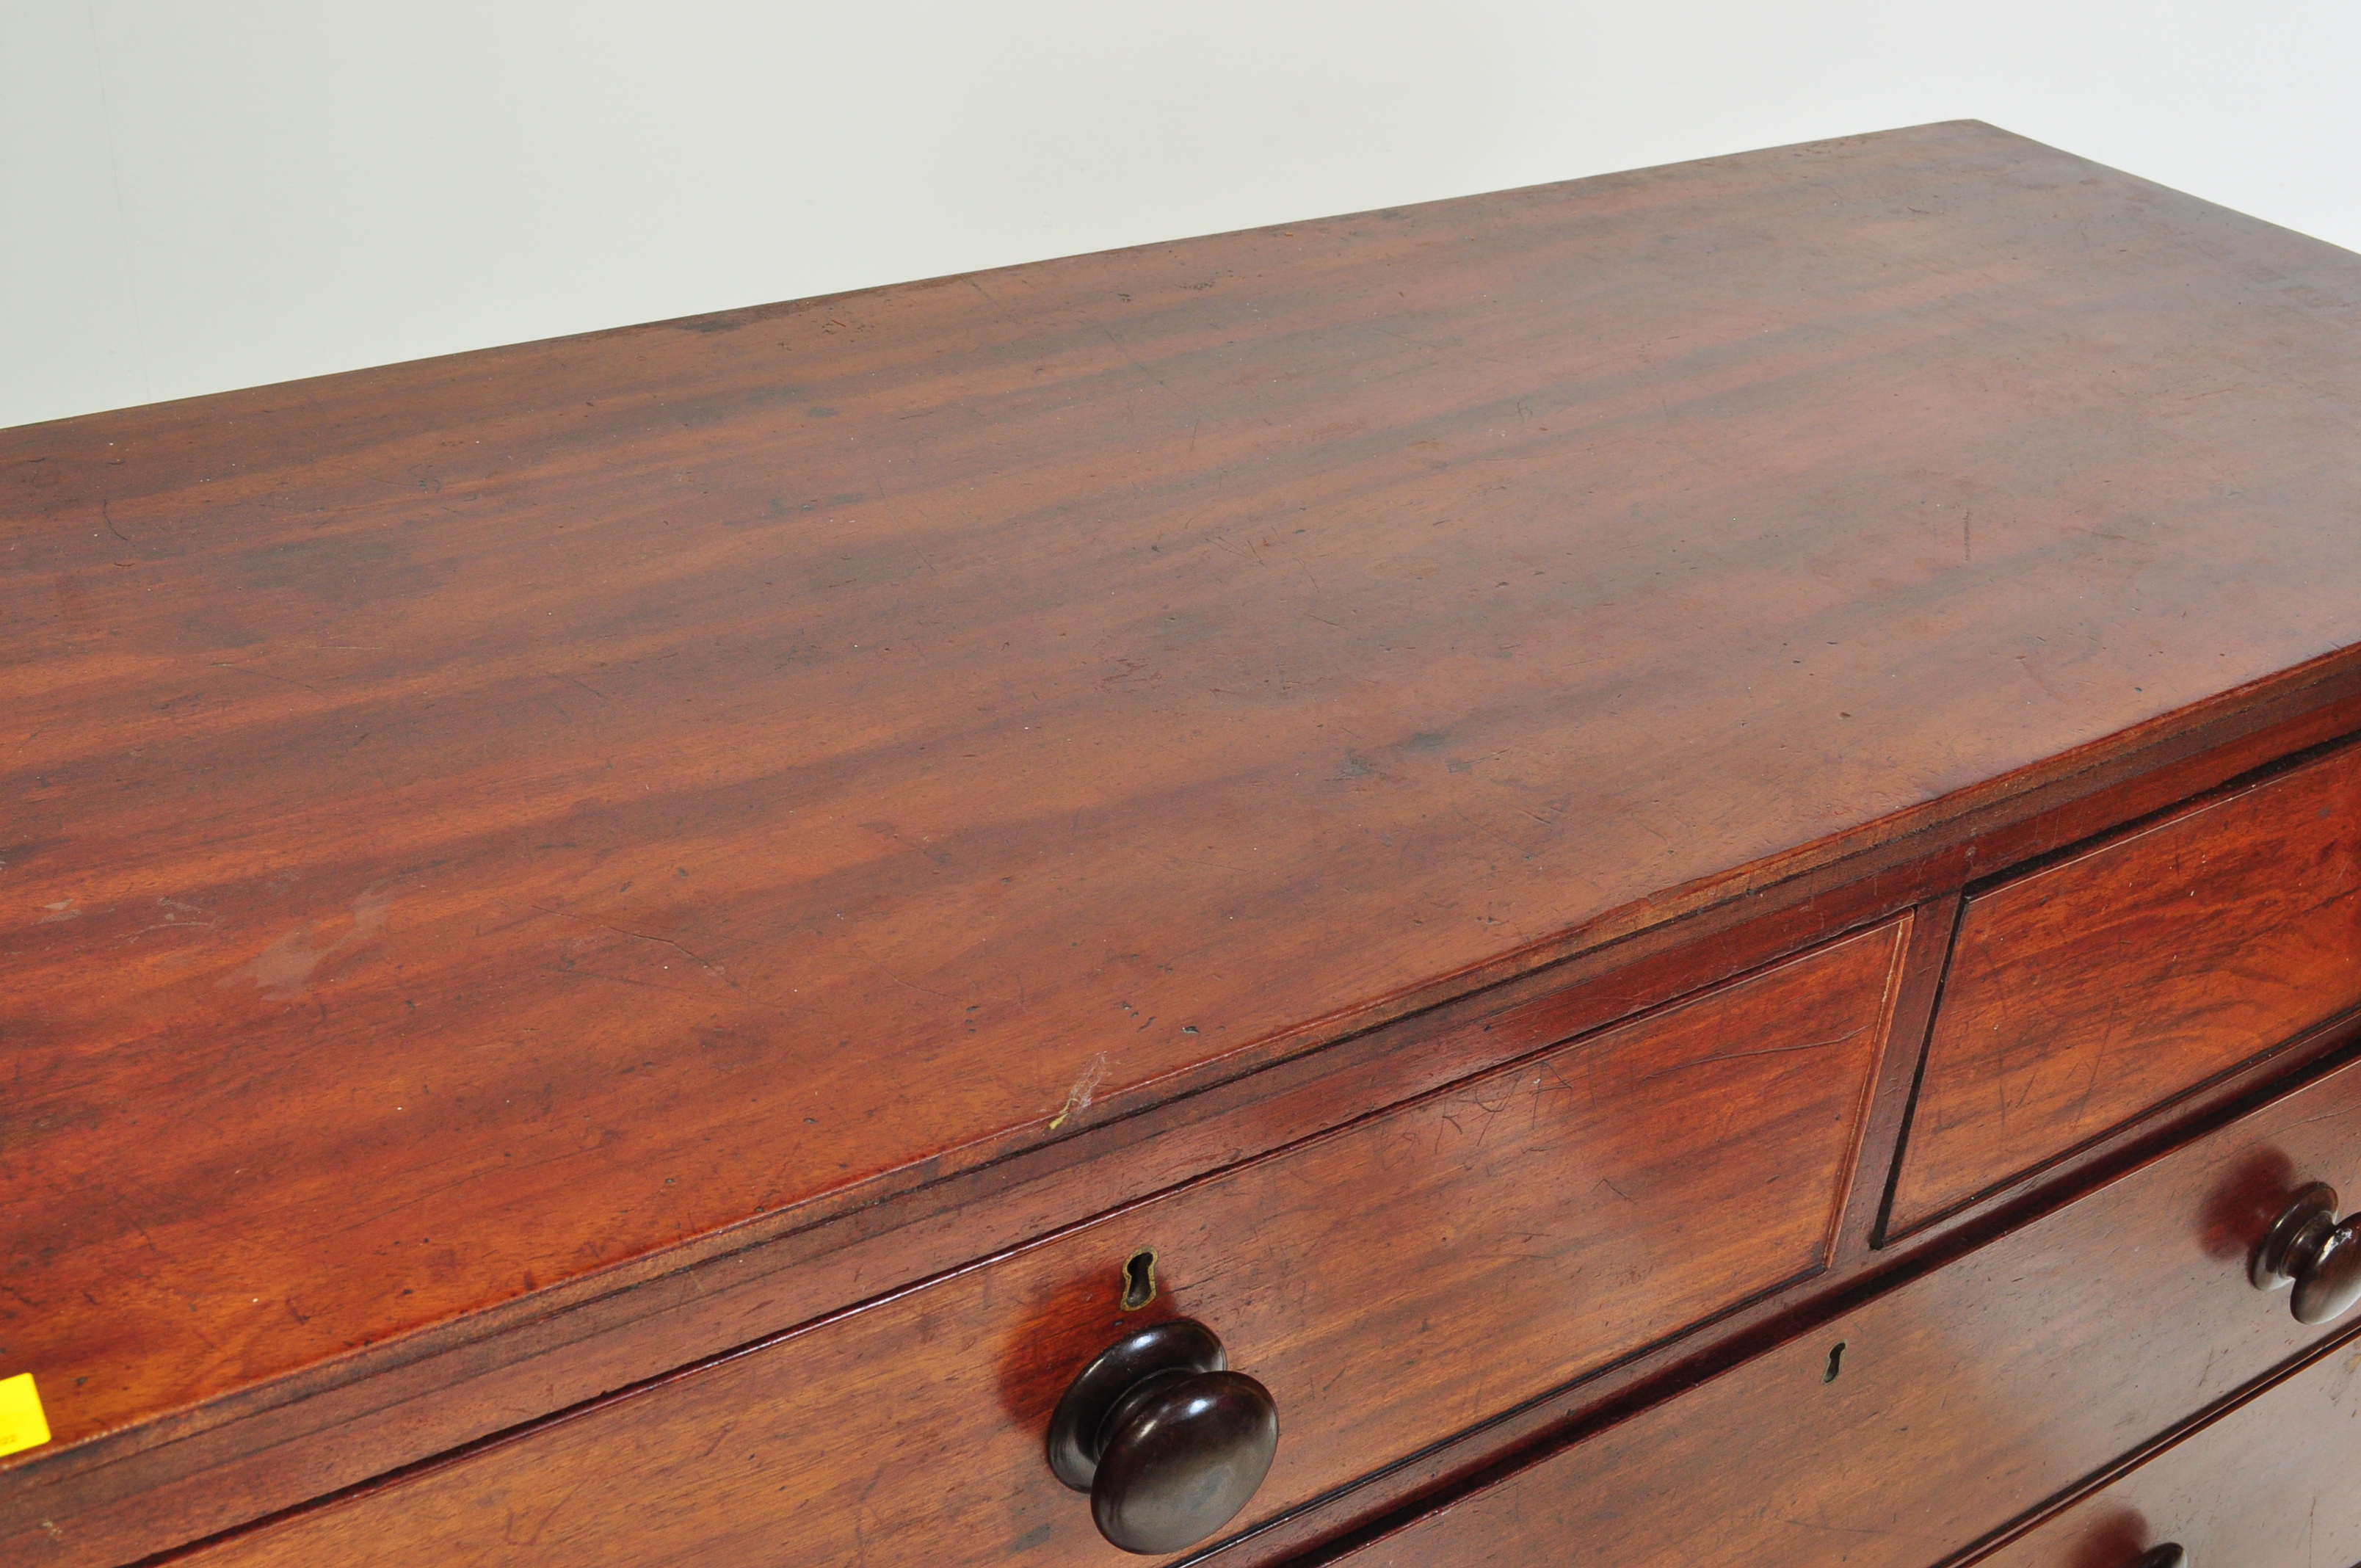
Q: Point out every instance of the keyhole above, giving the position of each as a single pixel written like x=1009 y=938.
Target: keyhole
x=1139 y=1280
x=1836 y=1362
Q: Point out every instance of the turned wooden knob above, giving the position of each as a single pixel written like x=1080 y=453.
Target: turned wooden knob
x=2307 y=1249
x=1167 y=1440
x=2169 y=1555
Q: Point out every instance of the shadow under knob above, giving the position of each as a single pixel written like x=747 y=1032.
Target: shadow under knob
x=2308 y=1250
x=1169 y=1442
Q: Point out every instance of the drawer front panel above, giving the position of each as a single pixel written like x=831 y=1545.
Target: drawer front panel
x=1392 y=1283
x=2270 y=1484
x=2093 y=990
x=1961 y=1400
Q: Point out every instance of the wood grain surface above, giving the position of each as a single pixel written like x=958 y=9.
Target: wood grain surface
x=2268 y=1486
x=2089 y=991
x=1961 y=1400
x=1391 y=1284
x=471 y=824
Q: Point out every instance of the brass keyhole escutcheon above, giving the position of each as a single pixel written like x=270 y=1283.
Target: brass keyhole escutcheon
x=1139 y=1280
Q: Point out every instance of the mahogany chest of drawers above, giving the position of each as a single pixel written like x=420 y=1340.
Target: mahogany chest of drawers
x=1663 y=870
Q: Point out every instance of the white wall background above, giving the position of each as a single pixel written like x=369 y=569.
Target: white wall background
x=197 y=194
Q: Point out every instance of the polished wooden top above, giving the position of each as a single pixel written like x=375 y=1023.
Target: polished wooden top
x=473 y=823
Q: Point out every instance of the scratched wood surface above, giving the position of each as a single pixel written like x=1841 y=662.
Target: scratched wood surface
x=1961 y=1401
x=468 y=824
x=2089 y=990
x=1457 y=1281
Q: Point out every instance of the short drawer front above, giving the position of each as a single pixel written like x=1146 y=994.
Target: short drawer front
x=1961 y=1400
x=1392 y=1283
x=2093 y=990
x=2274 y=1484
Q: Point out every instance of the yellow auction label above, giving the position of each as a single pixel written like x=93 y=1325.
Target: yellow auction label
x=22 y=1425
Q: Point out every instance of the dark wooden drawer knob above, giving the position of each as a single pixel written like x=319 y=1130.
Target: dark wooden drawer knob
x=2308 y=1249
x=2169 y=1555
x=1169 y=1442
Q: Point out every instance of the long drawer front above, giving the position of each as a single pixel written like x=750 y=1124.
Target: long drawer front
x=1391 y=1283
x=1908 y=1429
x=2274 y=1484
